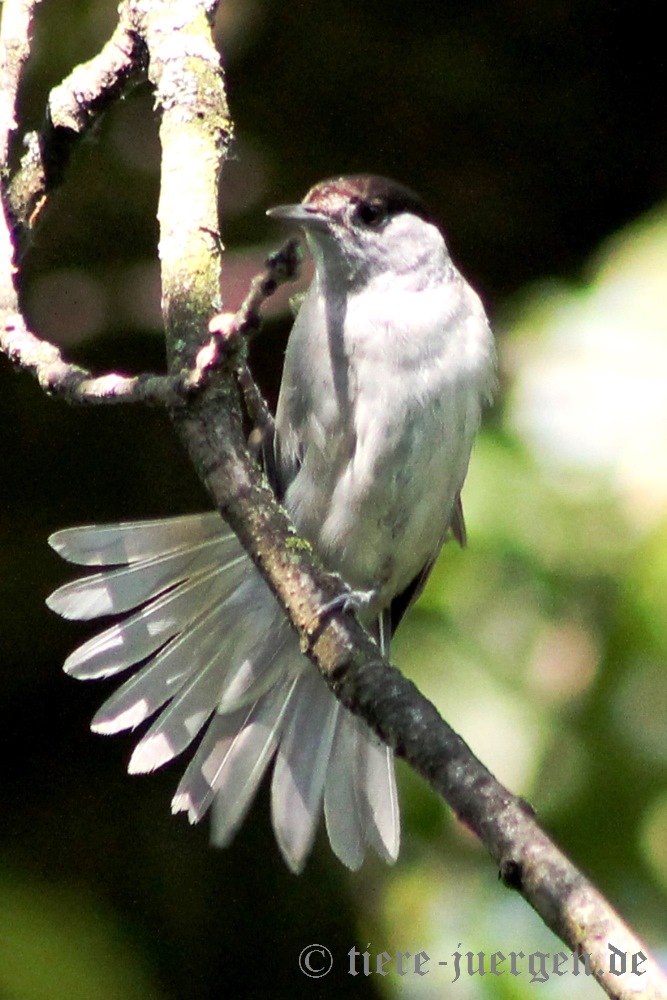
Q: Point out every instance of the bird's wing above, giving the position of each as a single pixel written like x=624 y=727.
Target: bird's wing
x=456 y=529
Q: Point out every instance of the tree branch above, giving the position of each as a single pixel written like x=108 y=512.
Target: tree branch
x=15 y=39
x=225 y=347
x=73 y=108
x=195 y=132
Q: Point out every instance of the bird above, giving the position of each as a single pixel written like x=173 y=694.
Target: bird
x=387 y=369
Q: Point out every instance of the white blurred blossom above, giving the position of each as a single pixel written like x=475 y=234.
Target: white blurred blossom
x=589 y=367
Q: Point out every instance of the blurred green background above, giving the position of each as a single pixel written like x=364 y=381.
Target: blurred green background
x=537 y=132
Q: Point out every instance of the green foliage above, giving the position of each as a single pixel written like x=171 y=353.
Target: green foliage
x=59 y=941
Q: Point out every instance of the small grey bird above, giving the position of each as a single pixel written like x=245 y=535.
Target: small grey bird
x=388 y=365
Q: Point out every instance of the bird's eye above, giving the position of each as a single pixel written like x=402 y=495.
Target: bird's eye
x=370 y=213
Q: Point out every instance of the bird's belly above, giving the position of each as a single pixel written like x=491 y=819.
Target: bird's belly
x=381 y=538
x=377 y=509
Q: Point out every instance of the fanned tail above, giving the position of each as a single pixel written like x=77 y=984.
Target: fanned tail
x=215 y=653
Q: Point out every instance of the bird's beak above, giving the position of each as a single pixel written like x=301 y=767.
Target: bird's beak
x=303 y=215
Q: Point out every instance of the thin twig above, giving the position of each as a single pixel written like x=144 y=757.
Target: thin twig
x=17 y=17
x=14 y=50
x=77 y=385
x=73 y=108
x=281 y=267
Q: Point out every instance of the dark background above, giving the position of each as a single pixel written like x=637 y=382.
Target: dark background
x=534 y=130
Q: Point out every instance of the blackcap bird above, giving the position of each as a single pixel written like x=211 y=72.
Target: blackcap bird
x=388 y=365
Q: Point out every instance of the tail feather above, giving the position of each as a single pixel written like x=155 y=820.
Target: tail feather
x=341 y=809
x=216 y=654
x=229 y=765
x=377 y=795
x=132 y=640
x=301 y=766
x=135 y=541
x=181 y=721
x=189 y=652
x=119 y=590
x=194 y=794
x=219 y=678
